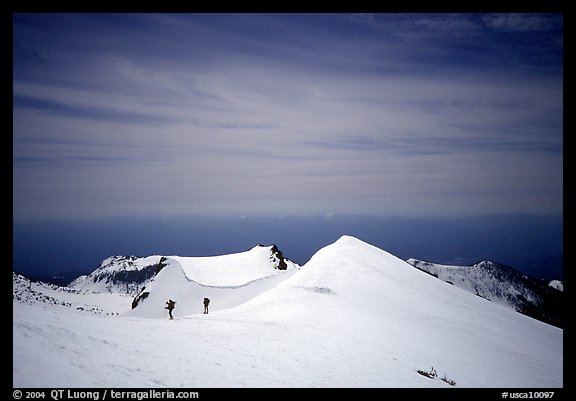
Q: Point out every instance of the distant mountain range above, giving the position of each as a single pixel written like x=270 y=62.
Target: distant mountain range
x=540 y=299
x=60 y=279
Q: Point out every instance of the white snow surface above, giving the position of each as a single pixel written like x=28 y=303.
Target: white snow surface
x=353 y=316
x=231 y=270
x=50 y=295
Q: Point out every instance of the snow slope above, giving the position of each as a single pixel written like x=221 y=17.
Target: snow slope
x=353 y=316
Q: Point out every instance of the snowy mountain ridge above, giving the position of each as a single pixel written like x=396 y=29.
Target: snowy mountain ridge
x=353 y=316
x=130 y=274
x=503 y=285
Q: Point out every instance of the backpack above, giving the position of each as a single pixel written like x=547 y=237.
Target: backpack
x=206 y=301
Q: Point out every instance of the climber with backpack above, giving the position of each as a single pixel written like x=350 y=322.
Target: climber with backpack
x=206 y=303
x=170 y=306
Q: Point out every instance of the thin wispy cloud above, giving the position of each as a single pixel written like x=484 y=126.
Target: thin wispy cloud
x=522 y=22
x=241 y=113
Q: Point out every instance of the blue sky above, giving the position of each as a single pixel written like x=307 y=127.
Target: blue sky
x=286 y=114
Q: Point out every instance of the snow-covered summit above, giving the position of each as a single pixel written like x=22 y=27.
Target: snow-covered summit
x=236 y=269
x=355 y=272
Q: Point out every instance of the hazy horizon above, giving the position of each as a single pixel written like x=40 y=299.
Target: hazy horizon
x=529 y=243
